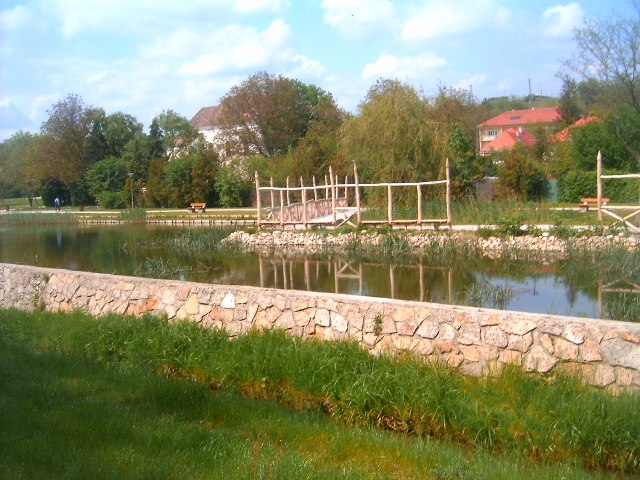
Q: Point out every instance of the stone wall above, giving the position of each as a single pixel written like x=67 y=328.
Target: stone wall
x=605 y=353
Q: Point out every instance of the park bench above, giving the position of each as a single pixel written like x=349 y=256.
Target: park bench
x=198 y=207
x=585 y=203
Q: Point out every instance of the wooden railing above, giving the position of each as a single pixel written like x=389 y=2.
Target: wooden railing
x=337 y=203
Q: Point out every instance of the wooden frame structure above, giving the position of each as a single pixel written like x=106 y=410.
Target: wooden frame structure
x=608 y=209
x=324 y=204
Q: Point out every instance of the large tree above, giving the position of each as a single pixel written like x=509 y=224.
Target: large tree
x=67 y=131
x=609 y=52
x=175 y=130
x=392 y=139
x=267 y=115
x=568 y=106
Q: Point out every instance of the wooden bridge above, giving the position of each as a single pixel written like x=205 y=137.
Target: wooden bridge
x=335 y=204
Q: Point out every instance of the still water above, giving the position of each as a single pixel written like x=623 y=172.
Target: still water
x=147 y=251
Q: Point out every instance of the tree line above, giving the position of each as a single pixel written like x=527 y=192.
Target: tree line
x=282 y=127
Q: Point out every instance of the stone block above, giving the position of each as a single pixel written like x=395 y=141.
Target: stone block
x=339 y=323
x=565 y=350
x=521 y=343
x=518 y=327
x=322 y=317
x=447 y=333
x=469 y=334
x=538 y=360
x=622 y=353
x=228 y=301
x=496 y=336
x=407 y=328
x=590 y=352
x=575 y=333
x=428 y=329
x=510 y=357
x=604 y=375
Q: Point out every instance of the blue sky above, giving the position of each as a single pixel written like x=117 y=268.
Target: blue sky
x=144 y=56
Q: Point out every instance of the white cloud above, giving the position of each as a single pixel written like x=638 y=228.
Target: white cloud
x=98 y=76
x=359 y=18
x=14 y=18
x=435 y=19
x=562 y=19
x=146 y=16
x=413 y=68
x=474 y=81
x=252 y=6
x=235 y=48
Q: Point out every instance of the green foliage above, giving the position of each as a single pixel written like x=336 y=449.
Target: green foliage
x=568 y=107
x=232 y=189
x=596 y=137
x=107 y=176
x=114 y=200
x=203 y=174
x=391 y=140
x=576 y=184
x=512 y=225
x=521 y=175
x=55 y=188
x=173 y=127
x=178 y=178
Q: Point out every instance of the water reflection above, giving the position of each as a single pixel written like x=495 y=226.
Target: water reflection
x=554 y=288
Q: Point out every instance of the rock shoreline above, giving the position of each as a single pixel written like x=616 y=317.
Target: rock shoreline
x=490 y=247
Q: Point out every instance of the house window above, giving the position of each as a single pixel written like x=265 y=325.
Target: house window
x=492 y=133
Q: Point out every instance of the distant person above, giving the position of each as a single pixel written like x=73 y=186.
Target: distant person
x=56 y=204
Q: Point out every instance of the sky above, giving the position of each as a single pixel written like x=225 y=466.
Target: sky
x=142 y=57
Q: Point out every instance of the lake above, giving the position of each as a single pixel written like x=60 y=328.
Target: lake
x=163 y=252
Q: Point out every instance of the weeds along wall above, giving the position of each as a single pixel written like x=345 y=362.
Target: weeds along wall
x=477 y=341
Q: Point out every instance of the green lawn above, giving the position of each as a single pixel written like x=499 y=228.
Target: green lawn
x=74 y=404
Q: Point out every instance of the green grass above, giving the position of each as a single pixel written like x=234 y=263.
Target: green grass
x=121 y=397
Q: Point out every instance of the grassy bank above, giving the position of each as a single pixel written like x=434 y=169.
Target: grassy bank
x=94 y=388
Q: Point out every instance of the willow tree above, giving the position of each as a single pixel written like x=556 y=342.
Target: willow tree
x=392 y=139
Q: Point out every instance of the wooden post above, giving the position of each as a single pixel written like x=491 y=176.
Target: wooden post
x=326 y=187
x=449 y=222
x=258 y=206
x=346 y=188
x=304 y=203
x=273 y=200
x=419 y=187
x=389 y=205
x=282 y=208
x=355 y=174
x=599 y=180
x=333 y=195
x=288 y=195
x=315 y=192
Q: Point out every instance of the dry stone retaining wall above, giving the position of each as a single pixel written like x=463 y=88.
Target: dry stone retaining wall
x=478 y=341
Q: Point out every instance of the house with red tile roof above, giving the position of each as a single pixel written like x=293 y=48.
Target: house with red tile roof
x=505 y=130
x=565 y=134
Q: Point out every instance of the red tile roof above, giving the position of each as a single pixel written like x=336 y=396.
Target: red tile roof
x=206 y=117
x=508 y=139
x=523 y=117
x=565 y=134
